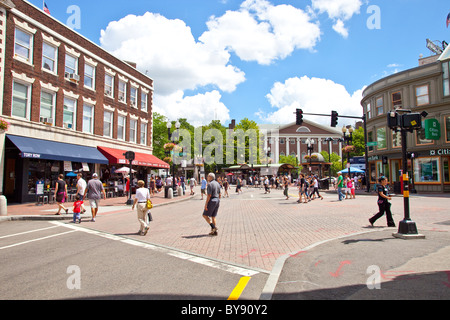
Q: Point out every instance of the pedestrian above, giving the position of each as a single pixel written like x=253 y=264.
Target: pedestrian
x=384 y=205
x=286 y=187
x=192 y=184
x=141 y=197
x=152 y=186
x=203 y=187
x=348 y=183
x=77 y=205
x=226 y=186
x=316 y=188
x=81 y=187
x=239 y=185
x=266 y=185
x=94 y=191
x=340 y=185
x=61 y=194
x=302 y=189
x=212 y=203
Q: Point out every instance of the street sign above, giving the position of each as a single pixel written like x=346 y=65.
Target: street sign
x=432 y=129
x=372 y=144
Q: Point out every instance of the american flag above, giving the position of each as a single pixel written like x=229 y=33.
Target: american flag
x=46 y=8
x=448 y=20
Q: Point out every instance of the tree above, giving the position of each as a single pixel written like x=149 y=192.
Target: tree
x=160 y=137
x=336 y=162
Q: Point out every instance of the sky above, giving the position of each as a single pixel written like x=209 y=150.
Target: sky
x=259 y=59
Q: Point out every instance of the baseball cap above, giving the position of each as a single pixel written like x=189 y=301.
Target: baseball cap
x=94 y=175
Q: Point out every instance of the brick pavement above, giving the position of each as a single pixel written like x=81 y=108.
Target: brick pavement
x=255 y=229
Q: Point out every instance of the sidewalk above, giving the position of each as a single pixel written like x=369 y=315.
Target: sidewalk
x=31 y=211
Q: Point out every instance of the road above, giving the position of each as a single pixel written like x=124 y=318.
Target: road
x=177 y=259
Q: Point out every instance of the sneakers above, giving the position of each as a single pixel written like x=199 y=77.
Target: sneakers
x=213 y=232
x=145 y=231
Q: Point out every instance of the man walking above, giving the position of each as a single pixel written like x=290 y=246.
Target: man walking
x=203 y=187
x=340 y=185
x=81 y=188
x=94 y=191
x=212 y=203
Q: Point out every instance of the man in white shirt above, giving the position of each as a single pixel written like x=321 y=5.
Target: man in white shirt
x=81 y=187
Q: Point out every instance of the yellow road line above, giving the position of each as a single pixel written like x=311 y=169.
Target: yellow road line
x=235 y=295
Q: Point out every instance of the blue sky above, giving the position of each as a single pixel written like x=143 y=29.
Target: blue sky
x=261 y=59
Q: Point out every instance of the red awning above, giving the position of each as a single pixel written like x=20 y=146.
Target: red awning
x=115 y=156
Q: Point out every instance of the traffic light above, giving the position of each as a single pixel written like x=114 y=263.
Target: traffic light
x=129 y=155
x=334 y=119
x=299 y=115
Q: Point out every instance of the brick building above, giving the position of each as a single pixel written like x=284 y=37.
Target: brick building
x=72 y=106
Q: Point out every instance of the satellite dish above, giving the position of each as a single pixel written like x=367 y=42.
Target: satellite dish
x=434 y=47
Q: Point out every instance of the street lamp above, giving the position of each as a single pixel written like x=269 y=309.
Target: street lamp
x=310 y=143
x=329 y=140
x=348 y=139
x=170 y=135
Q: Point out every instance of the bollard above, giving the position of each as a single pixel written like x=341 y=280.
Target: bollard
x=170 y=193
x=3 y=206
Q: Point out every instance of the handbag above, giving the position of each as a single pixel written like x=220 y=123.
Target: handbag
x=149 y=204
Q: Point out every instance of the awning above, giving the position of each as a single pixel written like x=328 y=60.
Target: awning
x=115 y=156
x=32 y=148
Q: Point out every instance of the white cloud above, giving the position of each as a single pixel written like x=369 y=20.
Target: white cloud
x=262 y=32
x=339 y=11
x=198 y=110
x=312 y=95
x=168 y=50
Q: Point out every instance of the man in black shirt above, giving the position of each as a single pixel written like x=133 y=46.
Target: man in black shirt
x=383 y=204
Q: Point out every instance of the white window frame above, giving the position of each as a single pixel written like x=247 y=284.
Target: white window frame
x=133 y=129
x=28 y=100
x=74 y=122
x=124 y=127
x=30 y=47
x=54 y=58
x=53 y=105
x=143 y=133
x=75 y=70
x=122 y=91
x=91 y=129
x=111 y=123
x=87 y=75
x=144 y=101
x=134 y=96
x=109 y=88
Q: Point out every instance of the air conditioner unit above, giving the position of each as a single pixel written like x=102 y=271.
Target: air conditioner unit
x=74 y=77
x=68 y=125
x=46 y=120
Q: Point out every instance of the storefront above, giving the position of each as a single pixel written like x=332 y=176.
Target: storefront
x=29 y=161
x=143 y=164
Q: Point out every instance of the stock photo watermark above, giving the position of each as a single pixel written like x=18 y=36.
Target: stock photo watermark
x=74 y=280
x=374 y=20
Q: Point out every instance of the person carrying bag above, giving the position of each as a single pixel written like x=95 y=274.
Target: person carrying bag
x=142 y=199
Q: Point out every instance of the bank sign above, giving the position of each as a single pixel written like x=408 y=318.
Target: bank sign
x=432 y=129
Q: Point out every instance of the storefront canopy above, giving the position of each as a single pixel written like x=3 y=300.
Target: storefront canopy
x=116 y=156
x=50 y=150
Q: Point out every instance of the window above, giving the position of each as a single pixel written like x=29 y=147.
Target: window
x=143 y=133
x=109 y=85
x=445 y=166
x=396 y=139
x=422 y=97
x=71 y=64
x=47 y=113
x=380 y=106
x=107 y=124
x=397 y=100
x=49 y=57
x=89 y=76
x=144 y=98
x=427 y=170
x=381 y=138
x=88 y=118
x=121 y=125
x=370 y=139
x=369 y=111
x=23 y=45
x=446 y=78
x=123 y=91
x=447 y=128
x=133 y=129
x=282 y=141
x=69 y=116
x=21 y=100
x=133 y=97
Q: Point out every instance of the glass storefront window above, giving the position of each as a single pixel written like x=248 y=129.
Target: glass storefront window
x=446 y=170
x=427 y=170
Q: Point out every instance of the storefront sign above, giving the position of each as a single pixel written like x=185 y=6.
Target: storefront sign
x=432 y=129
x=374 y=158
x=440 y=152
x=31 y=155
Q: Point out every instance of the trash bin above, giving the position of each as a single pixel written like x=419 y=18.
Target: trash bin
x=324 y=184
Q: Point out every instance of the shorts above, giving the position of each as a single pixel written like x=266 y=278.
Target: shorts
x=203 y=191
x=213 y=208
x=95 y=203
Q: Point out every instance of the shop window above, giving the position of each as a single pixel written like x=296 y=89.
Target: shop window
x=381 y=138
x=21 y=100
x=446 y=170
x=427 y=170
x=422 y=96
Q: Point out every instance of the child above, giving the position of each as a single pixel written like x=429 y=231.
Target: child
x=77 y=209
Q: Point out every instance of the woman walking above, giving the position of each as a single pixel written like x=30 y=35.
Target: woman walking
x=141 y=197
x=60 y=194
x=383 y=204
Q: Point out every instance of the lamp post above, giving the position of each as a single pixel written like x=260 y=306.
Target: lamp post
x=348 y=139
x=329 y=140
x=310 y=143
x=172 y=138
